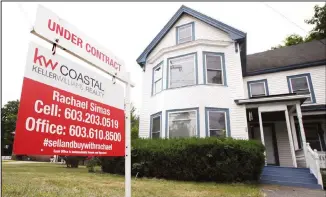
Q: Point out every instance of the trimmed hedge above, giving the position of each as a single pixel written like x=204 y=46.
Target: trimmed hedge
x=192 y=159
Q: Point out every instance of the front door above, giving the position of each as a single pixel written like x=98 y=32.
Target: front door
x=269 y=143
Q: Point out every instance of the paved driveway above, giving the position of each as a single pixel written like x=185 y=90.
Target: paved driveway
x=284 y=191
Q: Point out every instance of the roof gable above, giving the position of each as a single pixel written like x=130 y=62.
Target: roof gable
x=235 y=34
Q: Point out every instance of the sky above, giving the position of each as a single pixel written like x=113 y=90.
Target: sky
x=127 y=28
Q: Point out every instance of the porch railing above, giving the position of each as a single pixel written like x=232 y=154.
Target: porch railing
x=313 y=164
x=322 y=159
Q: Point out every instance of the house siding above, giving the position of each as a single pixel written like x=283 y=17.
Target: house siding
x=277 y=82
x=201 y=95
x=202 y=31
x=283 y=144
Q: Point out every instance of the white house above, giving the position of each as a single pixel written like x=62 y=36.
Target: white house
x=199 y=81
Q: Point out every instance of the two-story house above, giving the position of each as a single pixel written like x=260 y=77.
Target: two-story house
x=199 y=81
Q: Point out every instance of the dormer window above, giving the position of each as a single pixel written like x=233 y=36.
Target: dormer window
x=185 y=33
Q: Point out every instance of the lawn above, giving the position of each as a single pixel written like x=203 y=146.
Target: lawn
x=51 y=180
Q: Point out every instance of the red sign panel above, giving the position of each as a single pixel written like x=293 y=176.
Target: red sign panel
x=63 y=116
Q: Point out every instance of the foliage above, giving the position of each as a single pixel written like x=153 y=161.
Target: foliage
x=92 y=163
x=192 y=159
x=317 y=33
x=319 y=21
x=8 y=124
x=73 y=161
x=134 y=123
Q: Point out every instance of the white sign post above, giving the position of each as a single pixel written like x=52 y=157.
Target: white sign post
x=52 y=28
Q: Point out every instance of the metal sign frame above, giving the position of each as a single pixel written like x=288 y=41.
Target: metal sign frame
x=124 y=78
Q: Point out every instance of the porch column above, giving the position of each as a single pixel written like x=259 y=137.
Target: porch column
x=294 y=159
x=294 y=133
x=262 y=133
x=303 y=135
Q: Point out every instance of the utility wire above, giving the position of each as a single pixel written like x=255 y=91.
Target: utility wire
x=288 y=19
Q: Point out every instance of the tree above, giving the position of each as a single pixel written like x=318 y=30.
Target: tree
x=317 y=33
x=8 y=124
x=319 y=21
x=134 y=123
x=290 y=40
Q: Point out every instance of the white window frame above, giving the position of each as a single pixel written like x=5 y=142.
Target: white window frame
x=181 y=111
x=309 y=88
x=225 y=119
x=265 y=88
x=152 y=123
x=154 y=81
x=222 y=69
x=195 y=71
x=191 y=32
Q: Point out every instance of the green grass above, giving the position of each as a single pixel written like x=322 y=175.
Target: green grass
x=52 y=180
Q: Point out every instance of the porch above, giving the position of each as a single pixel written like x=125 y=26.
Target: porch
x=277 y=122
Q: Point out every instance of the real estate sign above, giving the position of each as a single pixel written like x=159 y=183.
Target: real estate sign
x=50 y=27
x=66 y=109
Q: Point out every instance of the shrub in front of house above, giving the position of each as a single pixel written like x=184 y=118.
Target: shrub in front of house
x=192 y=159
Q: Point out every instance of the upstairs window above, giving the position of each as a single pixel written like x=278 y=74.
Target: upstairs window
x=157 y=79
x=214 y=68
x=182 y=71
x=301 y=84
x=185 y=33
x=156 y=125
x=257 y=88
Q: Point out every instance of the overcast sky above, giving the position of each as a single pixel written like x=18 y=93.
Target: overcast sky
x=127 y=28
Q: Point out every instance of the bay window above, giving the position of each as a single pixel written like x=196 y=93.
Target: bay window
x=182 y=71
x=217 y=122
x=157 y=79
x=156 y=125
x=214 y=68
x=182 y=123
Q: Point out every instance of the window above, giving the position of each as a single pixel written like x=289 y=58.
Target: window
x=257 y=88
x=214 y=68
x=185 y=33
x=182 y=71
x=182 y=123
x=301 y=84
x=156 y=125
x=217 y=122
x=157 y=79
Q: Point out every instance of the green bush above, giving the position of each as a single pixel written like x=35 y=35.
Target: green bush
x=192 y=159
x=73 y=161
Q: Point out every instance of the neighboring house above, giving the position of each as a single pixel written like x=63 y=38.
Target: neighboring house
x=199 y=81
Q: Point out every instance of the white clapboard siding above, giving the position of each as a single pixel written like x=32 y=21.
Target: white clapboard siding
x=283 y=145
x=277 y=82
x=201 y=95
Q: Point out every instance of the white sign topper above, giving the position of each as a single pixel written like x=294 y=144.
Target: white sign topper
x=53 y=29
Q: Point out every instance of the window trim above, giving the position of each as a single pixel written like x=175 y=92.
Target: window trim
x=309 y=82
x=224 y=78
x=159 y=64
x=151 y=123
x=195 y=70
x=192 y=32
x=258 y=81
x=227 y=118
x=167 y=112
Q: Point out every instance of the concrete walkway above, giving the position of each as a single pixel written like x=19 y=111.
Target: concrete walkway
x=284 y=191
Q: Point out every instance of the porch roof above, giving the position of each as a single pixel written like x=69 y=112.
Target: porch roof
x=301 y=97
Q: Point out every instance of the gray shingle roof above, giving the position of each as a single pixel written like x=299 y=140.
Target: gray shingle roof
x=287 y=57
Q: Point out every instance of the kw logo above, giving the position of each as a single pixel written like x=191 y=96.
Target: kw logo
x=41 y=60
